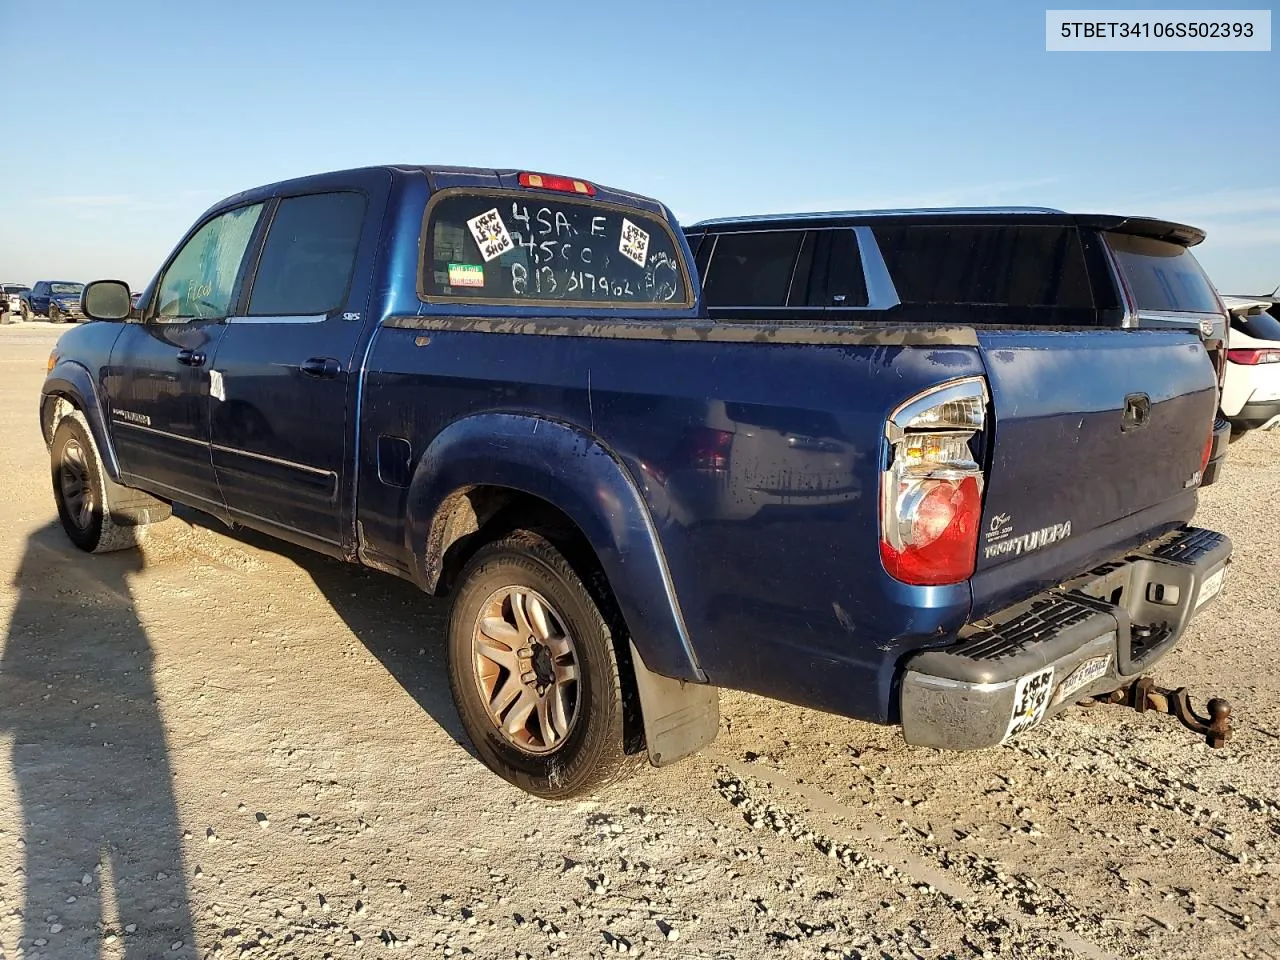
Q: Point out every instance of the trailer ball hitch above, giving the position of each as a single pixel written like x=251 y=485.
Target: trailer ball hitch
x=1143 y=695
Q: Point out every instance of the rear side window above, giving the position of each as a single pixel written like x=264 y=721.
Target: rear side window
x=752 y=269
x=530 y=248
x=837 y=279
x=1162 y=276
x=1014 y=266
x=309 y=255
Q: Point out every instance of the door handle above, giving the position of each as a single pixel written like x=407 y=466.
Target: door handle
x=1137 y=411
x=322 y=368
x=191 y=358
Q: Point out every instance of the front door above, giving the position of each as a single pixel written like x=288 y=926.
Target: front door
x=286 y=369
x=157 y=384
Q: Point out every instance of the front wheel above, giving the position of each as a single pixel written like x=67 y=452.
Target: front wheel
x=83 y=492
x=534 y=671
x=55 y=315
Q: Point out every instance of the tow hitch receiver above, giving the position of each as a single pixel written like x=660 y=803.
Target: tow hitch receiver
x=1143 y=695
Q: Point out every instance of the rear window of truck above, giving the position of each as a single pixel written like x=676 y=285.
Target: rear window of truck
x=986 y=265
x=1162 y=276
x=529 y=249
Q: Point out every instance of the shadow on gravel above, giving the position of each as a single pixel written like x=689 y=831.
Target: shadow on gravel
x=392 y=618
x=102 y=844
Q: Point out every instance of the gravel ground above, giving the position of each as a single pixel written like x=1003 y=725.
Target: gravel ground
x=226 y=747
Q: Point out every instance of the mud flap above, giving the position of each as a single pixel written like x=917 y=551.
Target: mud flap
x=680 y=718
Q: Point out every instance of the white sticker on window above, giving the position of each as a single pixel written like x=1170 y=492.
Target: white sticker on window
x=633 y=243
x=491 y=234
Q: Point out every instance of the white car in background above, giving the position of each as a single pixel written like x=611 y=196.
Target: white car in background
x=1251 y=391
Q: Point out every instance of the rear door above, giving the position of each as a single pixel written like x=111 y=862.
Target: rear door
x=158 y=381
x=287 y=368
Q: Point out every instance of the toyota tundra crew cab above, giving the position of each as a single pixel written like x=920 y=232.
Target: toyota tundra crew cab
x=503 y=386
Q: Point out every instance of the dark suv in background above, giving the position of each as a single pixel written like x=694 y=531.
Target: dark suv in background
x=979 y=266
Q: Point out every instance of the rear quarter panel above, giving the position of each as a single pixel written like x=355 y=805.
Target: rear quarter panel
x=788 y=599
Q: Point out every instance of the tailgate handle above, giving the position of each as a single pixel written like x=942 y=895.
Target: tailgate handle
x=1137 y=411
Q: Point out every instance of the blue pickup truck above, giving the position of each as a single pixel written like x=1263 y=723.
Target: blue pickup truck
x=503 y=386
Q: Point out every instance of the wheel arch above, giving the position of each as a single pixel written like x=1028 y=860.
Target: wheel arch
x=502 y=467
x=70 y=382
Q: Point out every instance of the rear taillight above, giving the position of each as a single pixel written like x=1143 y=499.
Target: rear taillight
x=1208 y=452
x=931 y=489
x=1253 y=357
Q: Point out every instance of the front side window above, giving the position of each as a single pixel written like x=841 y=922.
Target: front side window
x=309 y=255
x=200 y=281
x=518 y=248
x=752 y=269
x=1162 y=276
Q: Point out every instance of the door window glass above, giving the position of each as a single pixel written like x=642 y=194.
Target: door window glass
x=200 y=281
x=309 y=255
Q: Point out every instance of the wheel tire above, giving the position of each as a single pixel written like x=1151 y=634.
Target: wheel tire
x=85 y=494
x=592 y=752
x=25 y=311
x=55 y=315
x=1236 y=434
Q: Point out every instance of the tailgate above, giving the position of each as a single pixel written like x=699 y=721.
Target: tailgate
x=1099 y=440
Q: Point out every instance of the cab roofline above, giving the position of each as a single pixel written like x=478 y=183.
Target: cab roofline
x=438 y=177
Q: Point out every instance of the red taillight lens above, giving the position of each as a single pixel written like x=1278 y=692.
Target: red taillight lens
x=548 y=181
x=708 y=449
x=1253 y=357
x=943 y=536
x=931 y=489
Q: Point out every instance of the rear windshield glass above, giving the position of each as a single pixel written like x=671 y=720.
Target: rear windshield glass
x=14 y=288
x=530 y=248
x=1262 y=326
x=1006 y=265
x=1162 y=276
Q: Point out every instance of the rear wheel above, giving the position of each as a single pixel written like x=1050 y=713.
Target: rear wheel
x=85 y=494
x=534 y=671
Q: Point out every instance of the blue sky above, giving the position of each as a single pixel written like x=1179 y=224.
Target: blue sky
x=135 y=116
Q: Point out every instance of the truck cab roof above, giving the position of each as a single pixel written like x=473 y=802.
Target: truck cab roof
x=438 y=177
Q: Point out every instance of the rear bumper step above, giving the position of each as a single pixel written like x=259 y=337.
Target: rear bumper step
x=1084 y=638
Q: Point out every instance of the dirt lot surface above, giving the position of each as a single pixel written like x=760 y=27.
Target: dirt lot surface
x=224 y=747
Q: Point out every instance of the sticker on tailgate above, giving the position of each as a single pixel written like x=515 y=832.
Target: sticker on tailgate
x=1030 y=701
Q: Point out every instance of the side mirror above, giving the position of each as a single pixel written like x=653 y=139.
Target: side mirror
x=106 y=300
